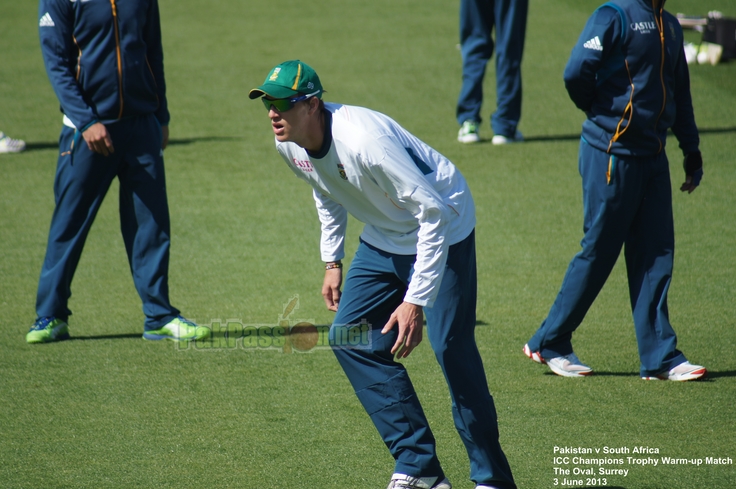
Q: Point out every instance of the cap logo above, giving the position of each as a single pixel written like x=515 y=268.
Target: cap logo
x=275 y=74
x=310 y=85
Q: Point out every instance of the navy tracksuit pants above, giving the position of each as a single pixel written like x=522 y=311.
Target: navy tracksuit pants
x=374 y=287
x=631 y=209
x=82 y=179
x=478 y=18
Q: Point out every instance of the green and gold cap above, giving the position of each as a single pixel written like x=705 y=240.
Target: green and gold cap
x=289 y=79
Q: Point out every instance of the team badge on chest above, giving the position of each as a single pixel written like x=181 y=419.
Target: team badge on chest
x=341 y=169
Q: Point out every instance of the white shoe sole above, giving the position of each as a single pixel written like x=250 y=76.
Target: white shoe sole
x=499 y=140
x=469 y=139
x=569 y=373
x=697 y=373
x=564 y=368
x=404 y=481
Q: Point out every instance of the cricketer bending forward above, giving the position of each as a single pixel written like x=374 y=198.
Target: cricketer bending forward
x=416 y=255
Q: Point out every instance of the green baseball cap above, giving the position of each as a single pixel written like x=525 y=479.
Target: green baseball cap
x=289 y=79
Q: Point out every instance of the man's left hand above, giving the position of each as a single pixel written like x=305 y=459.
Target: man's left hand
x=693 y=166
x=410 y=319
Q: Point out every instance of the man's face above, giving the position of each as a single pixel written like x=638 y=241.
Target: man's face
x=290 y=124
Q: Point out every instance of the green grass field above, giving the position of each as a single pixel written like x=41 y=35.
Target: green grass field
x=108 y=410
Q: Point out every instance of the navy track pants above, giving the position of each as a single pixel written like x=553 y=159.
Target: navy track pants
x=82 y=180
x=374 y=287
x=478 y=19
x=631 y=208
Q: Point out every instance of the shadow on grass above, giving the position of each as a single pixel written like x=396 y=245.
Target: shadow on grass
x=576 y=137
x=712 y=375
x=716 y=374
x=185 y=141
x=36 y=146
x=106 y=337
x=223 y=333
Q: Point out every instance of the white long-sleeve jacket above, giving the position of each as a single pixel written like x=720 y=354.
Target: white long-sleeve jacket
x=411 y=198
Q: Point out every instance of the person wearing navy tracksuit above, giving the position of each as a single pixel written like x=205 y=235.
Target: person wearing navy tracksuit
x=478 y=19
x=105 y=62
x=628 y=73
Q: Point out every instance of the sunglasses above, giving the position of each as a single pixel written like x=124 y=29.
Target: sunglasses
x=285 y=104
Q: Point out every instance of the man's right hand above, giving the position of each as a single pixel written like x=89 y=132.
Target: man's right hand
x=331 y=288
x=98 y=139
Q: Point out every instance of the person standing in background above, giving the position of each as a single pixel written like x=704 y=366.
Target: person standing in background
x=105 y=63
x=629 y=75
x=478 y=19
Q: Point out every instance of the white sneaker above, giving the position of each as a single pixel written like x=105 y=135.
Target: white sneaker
x=569 y=366
x=403 y=481
x=178 y=329
x=681 y=373
x=499 y=139
x=468 y=132
x=10 y=145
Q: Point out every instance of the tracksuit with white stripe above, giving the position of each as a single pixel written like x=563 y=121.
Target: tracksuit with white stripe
x=104 y=59
x=628 y=73
x=417 y=246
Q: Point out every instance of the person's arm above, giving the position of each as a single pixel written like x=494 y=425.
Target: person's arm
x=597 y=43
x=60 y=56
x=60 y=53
x=155 y=58
x=684 y=127
x=403 y=182
x=333 y=219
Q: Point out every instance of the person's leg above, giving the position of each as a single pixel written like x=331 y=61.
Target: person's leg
x=609 y=209
x=80 y=186
x=476 y=44
x=372 y=291
x=451 y=331
x=649 y=252
x=510 y=26
x=144 y=217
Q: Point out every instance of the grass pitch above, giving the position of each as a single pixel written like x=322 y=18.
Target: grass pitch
x=108 y=410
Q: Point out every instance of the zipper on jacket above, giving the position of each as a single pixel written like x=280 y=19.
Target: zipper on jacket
x=119 y=56
x=628 y=111
x=79 y=59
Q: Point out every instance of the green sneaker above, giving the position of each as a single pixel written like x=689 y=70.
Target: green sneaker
x=468 y=133
x=178 y=329
x=48 y=329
